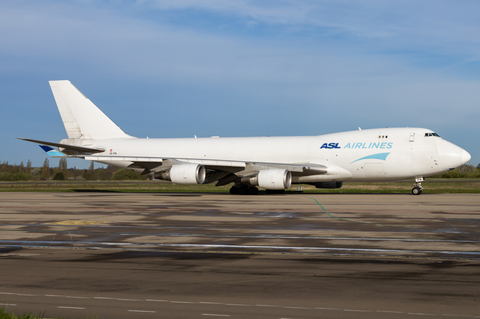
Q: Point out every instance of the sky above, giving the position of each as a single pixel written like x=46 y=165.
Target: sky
x=179 y=68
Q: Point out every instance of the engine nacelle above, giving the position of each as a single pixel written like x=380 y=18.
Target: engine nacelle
x=185 y=174
x=274 y=179
x=328 y=184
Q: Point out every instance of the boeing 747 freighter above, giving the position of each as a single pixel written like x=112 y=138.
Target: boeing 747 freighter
x=272 y=163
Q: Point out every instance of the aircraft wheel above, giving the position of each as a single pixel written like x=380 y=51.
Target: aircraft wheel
x=252 y=191
x=243 y=189
x=416 y=191
x=275 y=191
x=234 y=190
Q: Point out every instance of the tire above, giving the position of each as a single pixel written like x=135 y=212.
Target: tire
x=252 y=191
x=243 y=190
x=416 y=191
x=275 y=191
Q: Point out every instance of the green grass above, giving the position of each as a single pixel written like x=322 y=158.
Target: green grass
x=5 y=315
x=401 y=187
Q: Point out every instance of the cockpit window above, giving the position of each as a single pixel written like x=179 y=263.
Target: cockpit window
x=431 y=134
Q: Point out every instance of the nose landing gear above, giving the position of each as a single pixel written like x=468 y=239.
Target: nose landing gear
x=418 y=189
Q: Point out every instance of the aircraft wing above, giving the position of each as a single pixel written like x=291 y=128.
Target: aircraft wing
x=66 y=147
x=222 y=171
x=139 y=162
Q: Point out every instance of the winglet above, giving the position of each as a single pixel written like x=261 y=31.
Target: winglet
x=52 y=152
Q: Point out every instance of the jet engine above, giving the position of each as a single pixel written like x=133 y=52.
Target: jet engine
x=184 y=174
x=271 y=179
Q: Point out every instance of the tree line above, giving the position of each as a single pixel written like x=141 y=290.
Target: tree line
x=464 y=171
x=22 y=172
x=9 y=172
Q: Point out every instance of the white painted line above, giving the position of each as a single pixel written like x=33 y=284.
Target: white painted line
x=211 y=303
x=296 y=248
x=145 y=311
x=420 y=314
x=156 y=300
x=65 y=307
x=215 y=315
x=296 y=307
x=12 y=293
x=181 y=301
x=106 y=298
x=355 y=310
x=265 y=306
x=237 y=304
x=28 y=295
x=63 y=296
x=336 y=309
x=127 y=299
x=8 y=304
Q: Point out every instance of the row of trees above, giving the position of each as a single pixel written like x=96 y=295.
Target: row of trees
x=15 y=172
x=464 y=171
x=21 y=172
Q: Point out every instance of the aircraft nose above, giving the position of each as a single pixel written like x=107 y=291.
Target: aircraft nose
x=451 y=156
x=465 y=157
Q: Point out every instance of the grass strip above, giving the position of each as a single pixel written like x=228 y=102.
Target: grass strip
x=5 y=315
x=403 y=187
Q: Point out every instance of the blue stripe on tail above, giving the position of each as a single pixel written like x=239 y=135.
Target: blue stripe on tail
x=52 y=152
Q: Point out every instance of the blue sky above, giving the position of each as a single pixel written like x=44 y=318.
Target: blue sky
x=170 y=68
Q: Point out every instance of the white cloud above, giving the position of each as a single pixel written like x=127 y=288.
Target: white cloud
x=293 y=70
x=449 y=26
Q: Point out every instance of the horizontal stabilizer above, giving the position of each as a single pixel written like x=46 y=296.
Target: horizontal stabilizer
x=52 y=152
x=69 y=147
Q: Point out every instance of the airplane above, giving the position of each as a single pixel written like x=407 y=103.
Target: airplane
x=271 y=163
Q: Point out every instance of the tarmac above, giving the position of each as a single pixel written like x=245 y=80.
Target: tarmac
x=189 y=255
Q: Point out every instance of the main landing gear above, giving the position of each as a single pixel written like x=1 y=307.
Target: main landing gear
x=418 y=189
x=242 y=189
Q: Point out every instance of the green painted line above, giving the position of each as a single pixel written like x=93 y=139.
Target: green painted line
x=355 y=221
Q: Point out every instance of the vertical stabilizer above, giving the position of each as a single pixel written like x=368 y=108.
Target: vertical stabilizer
x=82 y=118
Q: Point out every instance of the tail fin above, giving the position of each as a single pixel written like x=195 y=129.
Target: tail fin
x=82 y=118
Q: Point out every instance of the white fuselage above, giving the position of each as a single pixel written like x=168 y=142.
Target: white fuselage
x=363 y=155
